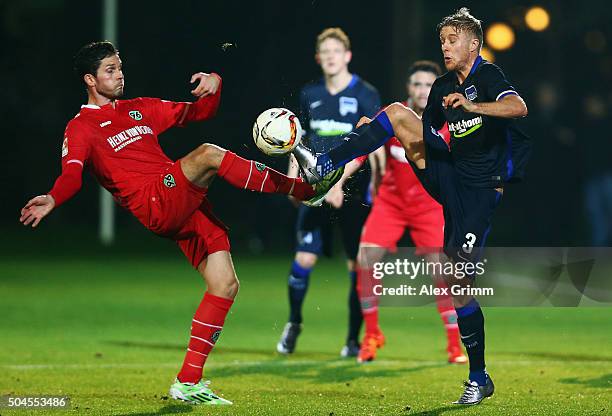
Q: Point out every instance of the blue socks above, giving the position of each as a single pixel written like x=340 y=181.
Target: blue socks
x=360 y=141
x=471 y=326
x=298 y=285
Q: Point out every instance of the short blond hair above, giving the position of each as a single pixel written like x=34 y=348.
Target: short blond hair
x=333 y=33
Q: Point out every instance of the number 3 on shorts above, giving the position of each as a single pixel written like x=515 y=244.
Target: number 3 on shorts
x=470 y=240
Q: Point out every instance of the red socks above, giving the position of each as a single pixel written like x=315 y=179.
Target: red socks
x=248 y=174
x=368 y=300
x=205 y=330
x=449 y=317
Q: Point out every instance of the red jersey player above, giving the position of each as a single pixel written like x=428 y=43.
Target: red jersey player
x=402 y=203
x=116 y=140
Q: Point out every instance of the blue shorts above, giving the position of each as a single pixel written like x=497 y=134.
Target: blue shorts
x=467 y=210
x=314 y=228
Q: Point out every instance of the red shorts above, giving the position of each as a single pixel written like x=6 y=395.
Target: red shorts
x=176 y=208
x=386 y=225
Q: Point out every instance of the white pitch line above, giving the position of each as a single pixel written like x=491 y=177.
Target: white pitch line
x=278 y=363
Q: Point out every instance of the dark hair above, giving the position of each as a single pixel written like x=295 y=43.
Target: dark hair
x=425 y=66
x=463 y=20
x=88 y=58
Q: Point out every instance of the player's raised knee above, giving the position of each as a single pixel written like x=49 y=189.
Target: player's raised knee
x=210 y=155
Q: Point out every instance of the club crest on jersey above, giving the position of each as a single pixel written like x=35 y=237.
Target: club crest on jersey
x=215 y=336
x=348 y=105
x=471 y=93
x=169 y=181
x=135 y=114
x=260 y=166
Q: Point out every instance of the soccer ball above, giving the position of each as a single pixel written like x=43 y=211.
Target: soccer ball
x=277 y=131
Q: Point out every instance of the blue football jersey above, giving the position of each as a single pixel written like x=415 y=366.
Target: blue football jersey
x=327 y=118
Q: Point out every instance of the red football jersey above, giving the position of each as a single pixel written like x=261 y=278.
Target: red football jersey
x=119 y=144
x=400 y=186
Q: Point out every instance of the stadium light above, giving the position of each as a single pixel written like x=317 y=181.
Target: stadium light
x=500 y=36
x=537 y=19
x=487 y=54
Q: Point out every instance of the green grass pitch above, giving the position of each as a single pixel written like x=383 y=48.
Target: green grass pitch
x=110 y=332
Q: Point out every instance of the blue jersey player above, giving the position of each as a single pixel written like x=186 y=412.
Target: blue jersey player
x=330 y=108
x=487 y=151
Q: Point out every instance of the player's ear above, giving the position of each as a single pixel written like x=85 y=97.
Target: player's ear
x=317 y=58
x=90 y=80
x=348 y=56
x=474 y=45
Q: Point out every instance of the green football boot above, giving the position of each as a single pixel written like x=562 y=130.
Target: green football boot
x=323 y=187
x=199 y=393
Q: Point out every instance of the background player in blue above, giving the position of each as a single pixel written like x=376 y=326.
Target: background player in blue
x=330 y=108
x=487 y=151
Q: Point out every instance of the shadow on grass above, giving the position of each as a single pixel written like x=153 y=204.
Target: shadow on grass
x=605 y=381
x=166 y=410
x=322 y=371
x=218 y=350
x=561 y=356
x=441 y=410
x=320 y=367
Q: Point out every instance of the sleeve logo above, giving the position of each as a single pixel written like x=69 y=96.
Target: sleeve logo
x=65 y=147
x=135 y=114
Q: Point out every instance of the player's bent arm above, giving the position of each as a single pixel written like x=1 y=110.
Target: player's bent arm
x=209 y=93
x=171 y=113
x=510 y=106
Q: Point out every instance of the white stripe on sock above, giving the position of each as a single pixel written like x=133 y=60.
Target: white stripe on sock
x=195 y=366
x=197 y=352
x=202 y=339
x=205 y=324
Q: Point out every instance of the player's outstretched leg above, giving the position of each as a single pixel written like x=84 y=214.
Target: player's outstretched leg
x=208 y=160
x=222 y=287
x=396 y=120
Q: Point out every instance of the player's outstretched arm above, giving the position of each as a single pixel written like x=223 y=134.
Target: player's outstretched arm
x=36 y=209
x=65 y=187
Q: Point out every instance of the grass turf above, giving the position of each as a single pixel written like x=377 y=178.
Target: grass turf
x=110 y=332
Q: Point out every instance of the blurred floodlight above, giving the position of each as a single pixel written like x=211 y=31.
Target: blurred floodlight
x=500 y=36
x=487 y=54
x=537 y=19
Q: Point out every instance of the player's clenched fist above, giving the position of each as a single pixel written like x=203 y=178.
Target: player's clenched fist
x=208 y=84
x=36 y=209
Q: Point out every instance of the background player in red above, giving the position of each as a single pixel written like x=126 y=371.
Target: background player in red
x=117 y=141
x=402 y=204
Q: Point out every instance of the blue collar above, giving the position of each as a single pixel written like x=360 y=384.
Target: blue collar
x=476 y=63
